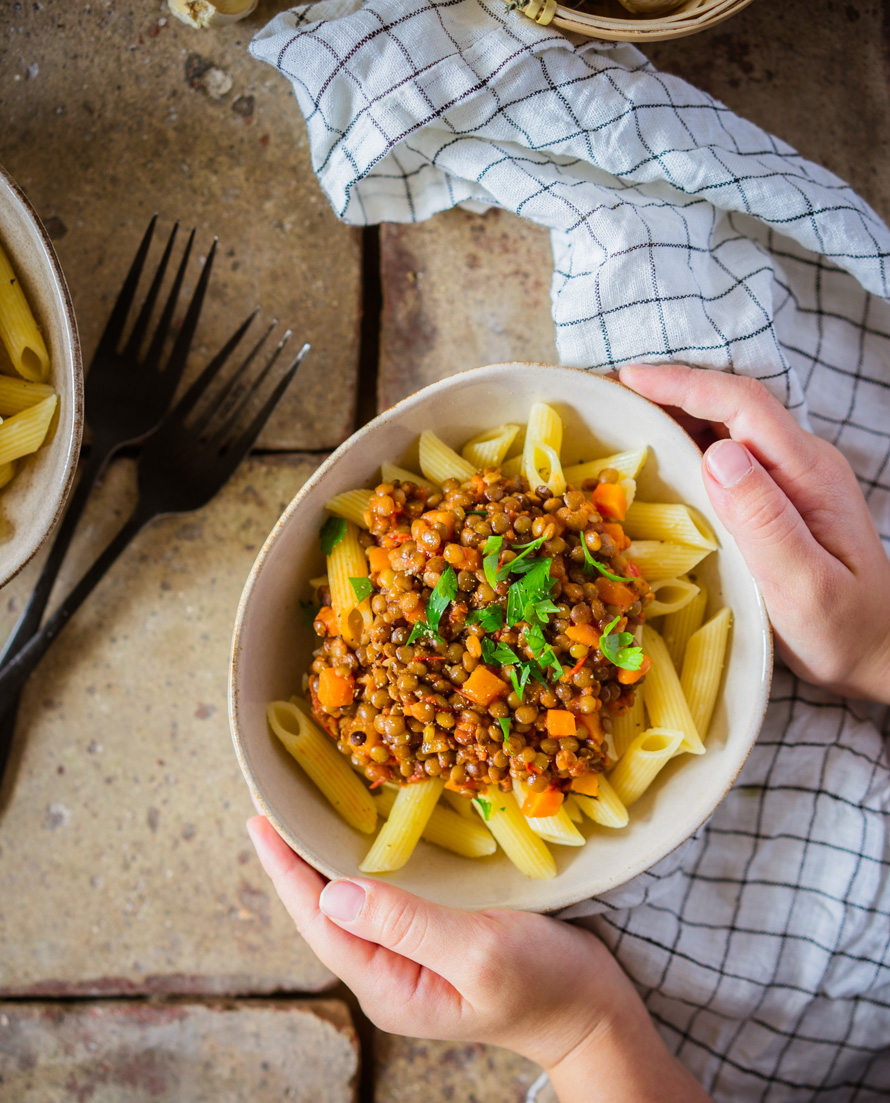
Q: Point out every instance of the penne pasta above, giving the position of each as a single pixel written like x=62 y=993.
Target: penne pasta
x=557 y=829
x=671 y=594
x=408 y=818
x=459 y=804
x=512 y=467
x=642 y=761
x=625 y=463
x=18 y=394
x=628 y=725
x=541 y=465
x=663 y=697
x=673 y=522
x=24 y=432
x=526 y=850
x=677 y=627
x=390 y=473
x=348 y=561
x=605 y=808
x=445 y=827
x=320 y=759
x=18 y=329
x=488 y=449
x=660 y=559
x=703 y=668
x=438 y=462
x=351 y=504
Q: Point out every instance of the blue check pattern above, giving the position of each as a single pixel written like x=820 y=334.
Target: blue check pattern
x=679 y=232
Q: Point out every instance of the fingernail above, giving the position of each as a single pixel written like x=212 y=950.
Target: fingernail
x=729 y=462
x=342 y=900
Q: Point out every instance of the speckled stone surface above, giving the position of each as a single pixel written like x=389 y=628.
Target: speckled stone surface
x=256 y=1052
x=410 y=1070
x=124 y=862
x=114 y=111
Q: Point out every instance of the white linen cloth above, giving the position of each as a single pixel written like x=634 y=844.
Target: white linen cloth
x=680 y=232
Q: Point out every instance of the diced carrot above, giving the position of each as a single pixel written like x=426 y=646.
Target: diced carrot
x=628 y=677
x=588 y=784
x=615 y=593
x=591 y=721
x=482 y=687
x=560 y=722
x=542 y=805
x=415 y=615
x=583 y=633
x=440 y=517
x=472 y=559
x=622 y=540
x=610 y=500
x=335 y=691
x=378 y=559
x=328 y=619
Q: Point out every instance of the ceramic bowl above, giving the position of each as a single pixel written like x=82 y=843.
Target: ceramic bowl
x=32 y=503
x=271 y=647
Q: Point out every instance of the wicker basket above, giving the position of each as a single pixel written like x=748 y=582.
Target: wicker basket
x=616 y=24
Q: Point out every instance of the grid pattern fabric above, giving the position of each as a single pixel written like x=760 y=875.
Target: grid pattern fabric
x=679 y=232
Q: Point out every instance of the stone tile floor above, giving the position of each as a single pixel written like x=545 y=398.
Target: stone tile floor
x=142 y=955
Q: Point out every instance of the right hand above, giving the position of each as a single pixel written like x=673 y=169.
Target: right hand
x=794 y=507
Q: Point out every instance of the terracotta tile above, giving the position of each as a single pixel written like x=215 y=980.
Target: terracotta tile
x=411 y=1070
x=256 y=1052
x=112 y=113
x=124 y=862
x=459 y=291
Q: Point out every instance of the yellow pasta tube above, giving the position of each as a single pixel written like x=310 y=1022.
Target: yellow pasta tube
x=641 y=762
x=18 y=394
x=439 y=462
x=488 y=449
x=526 y=850
x=18 y=330
x=390 y=473
x=572 y=809
x=541 y=465
x=512 y=467
x=399 y=836
x=24 y=432
x=351 y=504
x=675 y=522
x=663 y=697
x=605 y=808
x=627 y=726
x=677 y=627
x=662 y=559
x=459 y=804
x=346 y=561
x=670 y=595
x=625 y=463
x=446 y=828
x=703 y=667
x=557 y=829
x=324 y=764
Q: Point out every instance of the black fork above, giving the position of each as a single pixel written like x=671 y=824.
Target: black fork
x=183 y=464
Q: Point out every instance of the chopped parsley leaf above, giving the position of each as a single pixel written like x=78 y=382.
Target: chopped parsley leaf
x=490 y=617
x=444 y=592
x=592 y=564
x=498 y=653
x=617 y=648
x=423 y=629
x=505 y=727
x=491 y=553
x=332 y=532
x=362 y=588
x=484 y=806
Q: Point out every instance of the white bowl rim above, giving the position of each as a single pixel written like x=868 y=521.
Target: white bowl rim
x=72 y=452
x=556 y=901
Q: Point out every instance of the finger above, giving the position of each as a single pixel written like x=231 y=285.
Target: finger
x=771 y=534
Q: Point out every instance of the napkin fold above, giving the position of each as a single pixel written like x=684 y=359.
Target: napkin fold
x=679 y=232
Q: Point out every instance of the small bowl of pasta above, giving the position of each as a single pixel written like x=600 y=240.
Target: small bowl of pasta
x=41 y=383
x=499 y=649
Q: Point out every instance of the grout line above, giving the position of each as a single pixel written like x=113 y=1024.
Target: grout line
x=370 y=330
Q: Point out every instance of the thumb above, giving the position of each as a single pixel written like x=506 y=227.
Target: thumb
x=414 y=928
x=772 y=536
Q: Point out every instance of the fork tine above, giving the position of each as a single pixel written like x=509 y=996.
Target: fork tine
x=176 y=362
x=217 y=401
x=238 y=447
x=114 y=327
x=144 y=317
x=153 y=356
x=185 y=405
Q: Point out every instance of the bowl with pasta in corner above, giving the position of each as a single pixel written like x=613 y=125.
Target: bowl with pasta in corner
x=499 y=649
x=41 y=383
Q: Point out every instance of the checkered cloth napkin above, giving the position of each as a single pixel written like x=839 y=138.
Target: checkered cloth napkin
x=680 y=232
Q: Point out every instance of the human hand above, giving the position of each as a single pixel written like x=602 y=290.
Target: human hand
x=550 y=991
x=793 y=505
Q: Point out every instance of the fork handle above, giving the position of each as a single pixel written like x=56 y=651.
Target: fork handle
x=16 y=671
